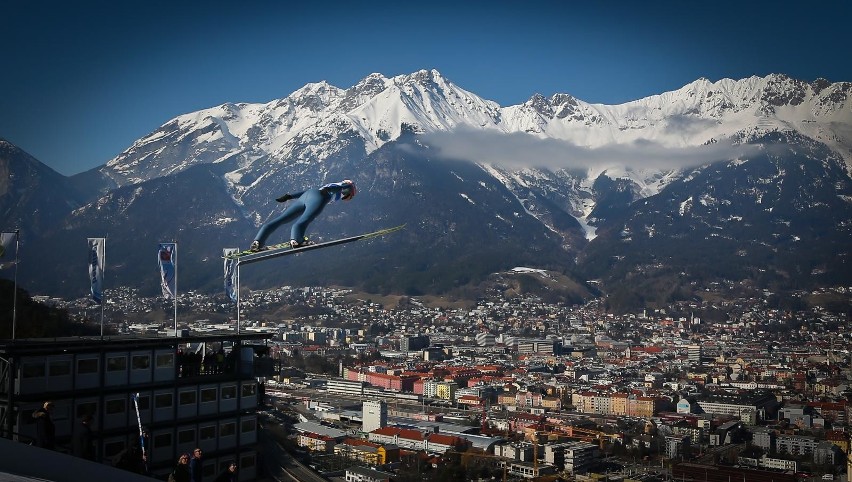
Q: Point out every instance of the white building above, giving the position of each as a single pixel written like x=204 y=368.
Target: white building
x=375 y=415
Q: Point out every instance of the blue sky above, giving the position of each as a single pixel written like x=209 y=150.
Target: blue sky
x=80 y=81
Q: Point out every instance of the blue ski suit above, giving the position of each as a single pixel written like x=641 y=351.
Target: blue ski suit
x=307 y=205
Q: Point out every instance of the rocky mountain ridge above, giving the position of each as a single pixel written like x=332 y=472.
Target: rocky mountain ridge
x=563 y=182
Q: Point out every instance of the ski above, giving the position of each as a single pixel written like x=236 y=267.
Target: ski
x=284 y=249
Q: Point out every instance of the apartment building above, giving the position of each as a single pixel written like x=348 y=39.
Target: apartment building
x=316 y=442
x=347 y=387
x=619 y=404
x=367 y=452
x=750 y=407
x=574 y=457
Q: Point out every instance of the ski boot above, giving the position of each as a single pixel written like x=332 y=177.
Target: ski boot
x=295 y=244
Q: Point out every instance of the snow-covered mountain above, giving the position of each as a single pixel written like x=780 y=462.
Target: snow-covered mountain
x=535 y=182
x=319 y=120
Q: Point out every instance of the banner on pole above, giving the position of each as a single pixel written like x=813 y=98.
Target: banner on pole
x=167 y=257
x=96 y=267
x=230 y=273
x=8 y=250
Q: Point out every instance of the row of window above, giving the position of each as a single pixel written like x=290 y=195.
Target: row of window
x=57 y=368
x=166 y=400
x=207 y=432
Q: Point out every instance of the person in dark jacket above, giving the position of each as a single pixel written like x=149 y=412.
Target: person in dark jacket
x=181 y=471
x=306 y=206
x=195 y=469
x=228 y=475
x=82 y=444
x=45 y=429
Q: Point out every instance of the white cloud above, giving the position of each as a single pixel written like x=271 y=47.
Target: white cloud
x=519 y=150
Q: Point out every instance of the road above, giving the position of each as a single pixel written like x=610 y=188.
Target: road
x=278 y=464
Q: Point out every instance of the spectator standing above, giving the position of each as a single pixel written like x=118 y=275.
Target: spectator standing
x=229 y=474
x=82 y=443
x=181 y=471
x=195 y=470
x=45 y=429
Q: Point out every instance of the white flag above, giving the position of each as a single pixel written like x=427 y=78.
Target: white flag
x=96 y=267
x=8 y=248
x=167 y=257
x=230 y=273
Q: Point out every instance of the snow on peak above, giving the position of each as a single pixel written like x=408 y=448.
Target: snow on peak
x=378 y=108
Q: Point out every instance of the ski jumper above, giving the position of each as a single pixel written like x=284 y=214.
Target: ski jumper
x=306 y=206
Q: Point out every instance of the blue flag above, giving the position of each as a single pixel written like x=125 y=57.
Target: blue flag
x=167 y=257
x=96 y=267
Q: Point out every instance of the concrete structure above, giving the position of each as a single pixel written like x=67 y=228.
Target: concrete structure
x=574 y=457
x=362 y=474
x=375 y=415
x=347 y=387
x=484 y=338
x=413 y=343
x=184 y=400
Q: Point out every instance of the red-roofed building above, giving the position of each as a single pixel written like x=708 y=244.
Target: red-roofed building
x=831 y=411
x=439 y=443
x=404 y=438
x=316 y=442
x=369 y=452
x=411 y=439
x=391 y=382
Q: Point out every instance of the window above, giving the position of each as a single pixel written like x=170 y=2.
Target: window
x=186 y=437
x=140 y=362
x=229 y=392
x=163 y=400
x=32 y=370
x=249 y=390
x=247 y=462
x=86 y=408
x=227 y=429
x=248 y=425
x=208 y=395
x=207 y=433
x=116 y=363
x=166 y=361
x=60 y=368
x=187 y=398
x=144 y=402
x=89 y=365
x=113 y=407
x=162 y=440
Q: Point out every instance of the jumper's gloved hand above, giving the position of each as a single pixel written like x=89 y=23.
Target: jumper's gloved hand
x=284 y=198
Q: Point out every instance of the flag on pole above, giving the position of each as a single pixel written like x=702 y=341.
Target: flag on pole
x=230 y=273
x=8 y=248
x=96 y=267
x=167 y=256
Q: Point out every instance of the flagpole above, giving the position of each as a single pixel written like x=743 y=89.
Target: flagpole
x=103 y=296
x=15 y=286
x=174 y=262
x=238 y=296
